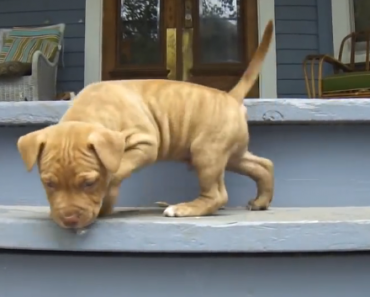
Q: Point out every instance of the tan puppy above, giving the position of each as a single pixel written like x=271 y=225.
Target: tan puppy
x=116 y=127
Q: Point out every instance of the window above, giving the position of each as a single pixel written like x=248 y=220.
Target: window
x=209 y=42
x=360 y=20
x=360 y=15
x=94 y=41
x=349 y=16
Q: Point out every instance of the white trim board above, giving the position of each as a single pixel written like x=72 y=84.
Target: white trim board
x=93 y=45
x=93 y=40
x=342 y=26
x=268 y=75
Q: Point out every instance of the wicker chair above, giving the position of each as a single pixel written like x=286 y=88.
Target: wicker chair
x=41 y=84
x=350 y=80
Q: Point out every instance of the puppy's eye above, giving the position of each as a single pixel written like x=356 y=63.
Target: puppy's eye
x=50 y=184
x=88 y=184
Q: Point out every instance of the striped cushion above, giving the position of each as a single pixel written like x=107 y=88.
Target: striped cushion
x=21 y=44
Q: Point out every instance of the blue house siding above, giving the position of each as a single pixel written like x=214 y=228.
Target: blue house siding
x=296 y=36
x=302 y=27
x=48 y=12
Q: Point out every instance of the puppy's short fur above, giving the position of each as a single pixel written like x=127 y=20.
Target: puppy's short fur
x=116 y=127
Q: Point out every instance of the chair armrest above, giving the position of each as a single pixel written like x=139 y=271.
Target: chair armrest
x=330 y=60
x=44 y=74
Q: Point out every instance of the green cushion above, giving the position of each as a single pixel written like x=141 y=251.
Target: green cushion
x=346 y=81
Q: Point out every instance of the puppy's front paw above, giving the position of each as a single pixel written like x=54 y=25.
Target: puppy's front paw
x=179 y=210
x=258 y=204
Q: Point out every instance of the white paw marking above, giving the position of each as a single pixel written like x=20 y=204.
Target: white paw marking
x=170 y=211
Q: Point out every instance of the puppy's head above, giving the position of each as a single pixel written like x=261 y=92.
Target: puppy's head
x=75 y=162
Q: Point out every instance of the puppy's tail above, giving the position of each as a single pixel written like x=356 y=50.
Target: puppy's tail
x=251 y=74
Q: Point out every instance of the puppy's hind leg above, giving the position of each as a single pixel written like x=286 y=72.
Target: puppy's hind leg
x=261 y=170
x=210 y=168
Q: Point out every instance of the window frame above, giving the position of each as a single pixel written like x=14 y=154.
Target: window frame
x=343 y=24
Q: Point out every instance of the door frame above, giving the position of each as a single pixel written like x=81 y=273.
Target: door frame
x=93 y=46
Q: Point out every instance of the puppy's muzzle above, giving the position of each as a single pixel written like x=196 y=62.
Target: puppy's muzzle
x=70 y=218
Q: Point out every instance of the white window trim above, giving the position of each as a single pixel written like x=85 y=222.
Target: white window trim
x=93 y=45
x=342 y=11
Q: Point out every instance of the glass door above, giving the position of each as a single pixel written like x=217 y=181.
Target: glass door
x=209 y=42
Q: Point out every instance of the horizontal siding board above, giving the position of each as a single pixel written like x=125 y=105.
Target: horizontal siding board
x=75 y=30
x=74 y=45
x=295 y=3
x=72 y=86
x=293 y=56
x=307 y=13
x=296 y=41
x=296 y=27
x=41 y=5
x=70 y=73
x=293 y=96
x=296 y=86
x=41 y=18
x=74 y=59
x=290 y=71
x=34 y=13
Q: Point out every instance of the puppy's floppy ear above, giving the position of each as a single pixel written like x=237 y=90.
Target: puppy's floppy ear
x=29 y=147
x=109 y=146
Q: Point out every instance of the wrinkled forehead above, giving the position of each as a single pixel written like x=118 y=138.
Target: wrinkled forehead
x=68 y=152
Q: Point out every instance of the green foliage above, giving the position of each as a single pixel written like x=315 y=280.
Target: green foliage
x=224 y=8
